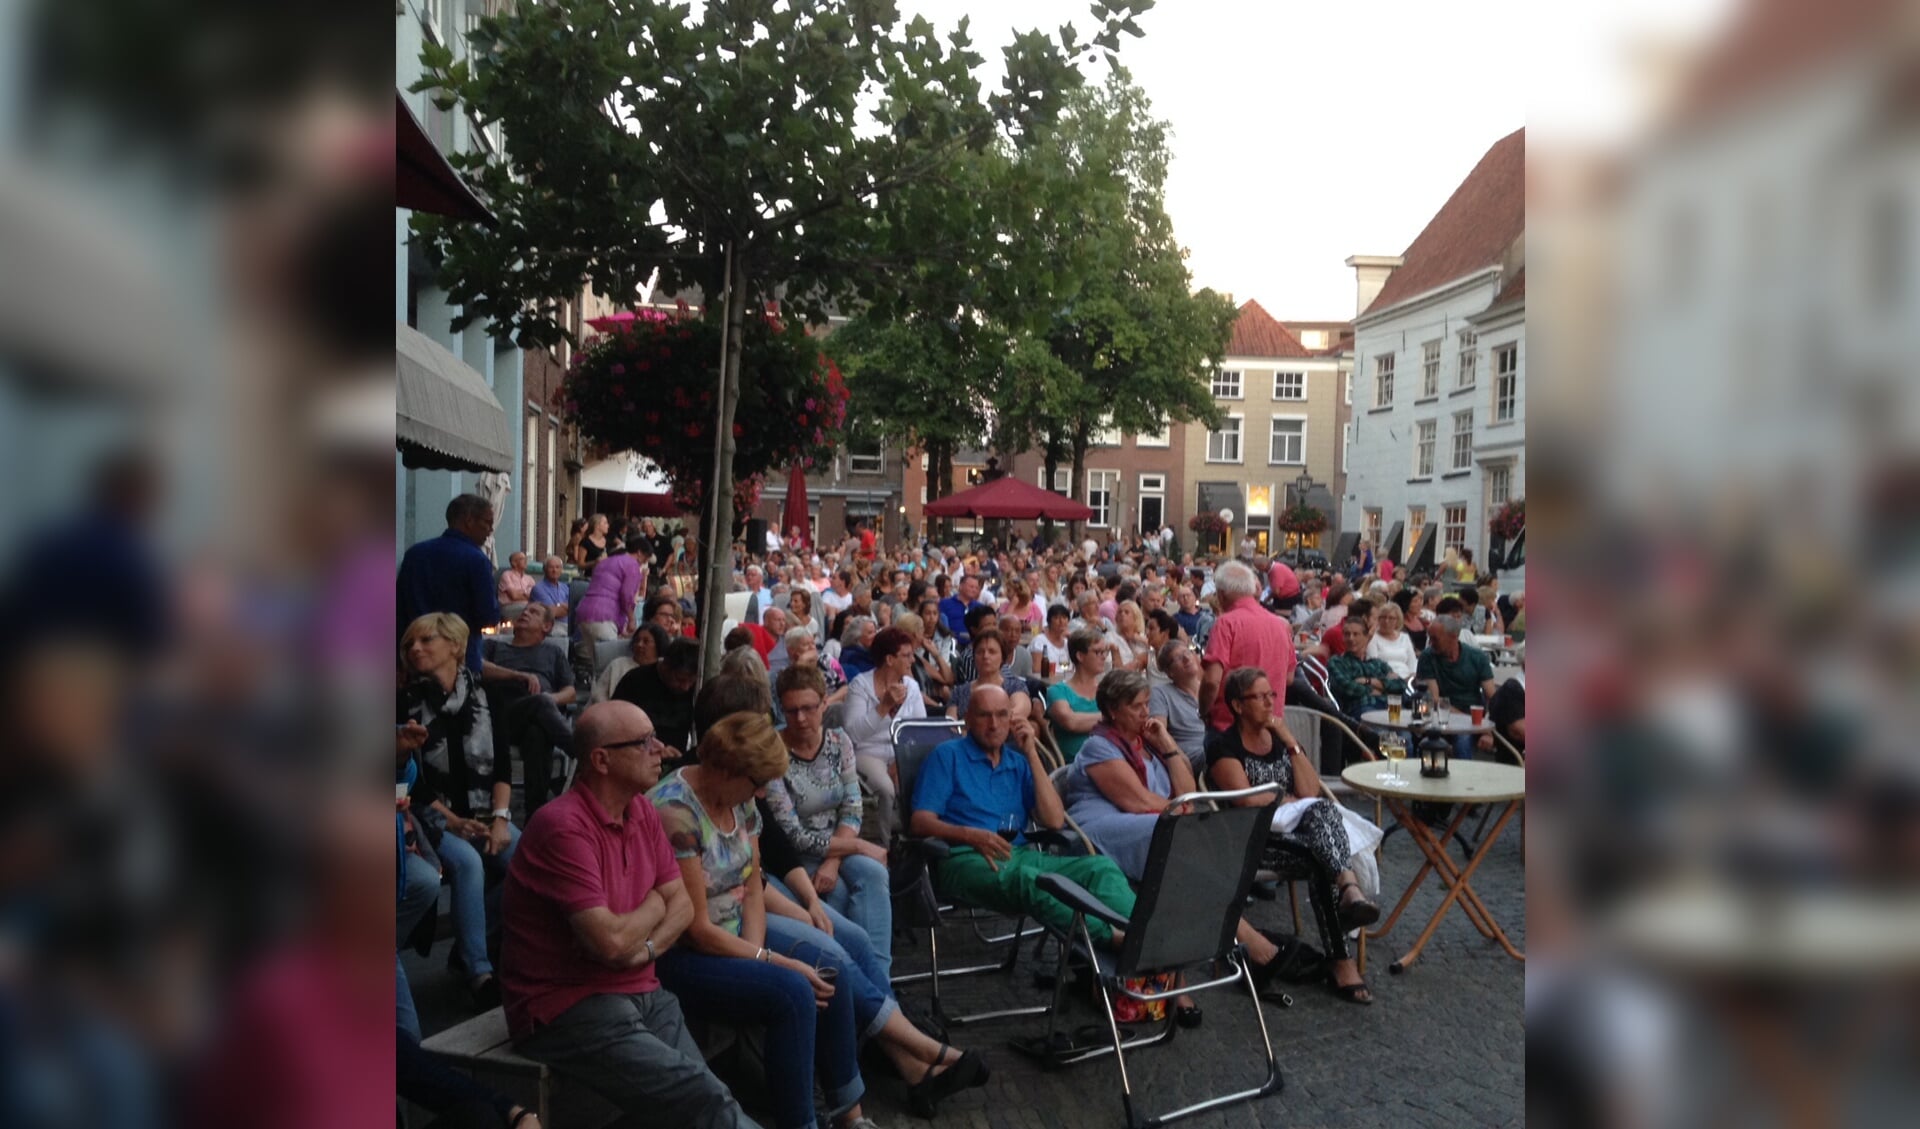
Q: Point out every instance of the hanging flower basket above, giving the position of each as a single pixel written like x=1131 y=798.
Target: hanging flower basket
x=1207 y=523
x=1304 y=520
x=1511 y=521
x=649 y=385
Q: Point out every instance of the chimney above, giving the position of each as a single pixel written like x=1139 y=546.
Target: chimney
x=1370 y=274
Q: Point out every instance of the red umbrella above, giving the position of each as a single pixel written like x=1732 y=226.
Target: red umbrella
x=793 y=514
x=1010 y=498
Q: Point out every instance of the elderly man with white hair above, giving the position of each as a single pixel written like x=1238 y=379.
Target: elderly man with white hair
x=1246 y=634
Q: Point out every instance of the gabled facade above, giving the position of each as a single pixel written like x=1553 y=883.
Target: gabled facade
x=1285 y=409
x=1439 y=376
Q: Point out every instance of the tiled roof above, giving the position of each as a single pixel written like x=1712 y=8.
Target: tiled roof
x=1472 y=230
x=1257 y=334
x=1772 y=42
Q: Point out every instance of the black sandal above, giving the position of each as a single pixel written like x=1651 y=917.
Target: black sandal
x=1351 y=992
x=923 y=1097
x=1358 y=913
x=1187 y=1015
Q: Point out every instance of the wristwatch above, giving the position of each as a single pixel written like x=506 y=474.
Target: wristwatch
x=501 y=813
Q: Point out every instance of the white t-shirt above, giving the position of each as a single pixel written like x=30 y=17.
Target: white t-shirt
x=1042 y=645
x=836 y=602
x=1397 y=654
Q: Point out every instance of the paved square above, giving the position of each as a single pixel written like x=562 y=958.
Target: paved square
x=1443 y=1044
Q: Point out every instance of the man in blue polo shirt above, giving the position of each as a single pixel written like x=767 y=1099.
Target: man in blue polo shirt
x=953 y=609
x=449 y=573
x=971 y=786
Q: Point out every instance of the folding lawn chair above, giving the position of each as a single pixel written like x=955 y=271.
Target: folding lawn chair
x=1185 y=918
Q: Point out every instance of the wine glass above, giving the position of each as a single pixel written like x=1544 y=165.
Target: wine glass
x=1394 y=746
x=1009 y=828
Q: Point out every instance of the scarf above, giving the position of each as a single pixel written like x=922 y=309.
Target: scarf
x=1134 y=749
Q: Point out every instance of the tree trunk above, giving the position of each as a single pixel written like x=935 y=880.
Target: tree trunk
x=1051 y=456
x=1079 y=476
x=719 y=507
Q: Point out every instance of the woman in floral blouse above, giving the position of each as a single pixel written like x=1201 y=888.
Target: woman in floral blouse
x=817 y=804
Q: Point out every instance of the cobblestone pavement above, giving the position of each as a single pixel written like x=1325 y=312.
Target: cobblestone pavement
x=1442 y=1044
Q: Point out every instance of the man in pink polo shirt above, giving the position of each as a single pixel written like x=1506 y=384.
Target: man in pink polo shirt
x=592 y=898
x=1245 y=635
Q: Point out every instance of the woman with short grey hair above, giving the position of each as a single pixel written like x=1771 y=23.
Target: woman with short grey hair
x=855 y=638
x=803 y=651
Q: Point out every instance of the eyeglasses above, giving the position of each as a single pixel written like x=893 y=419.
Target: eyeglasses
x=648 y=743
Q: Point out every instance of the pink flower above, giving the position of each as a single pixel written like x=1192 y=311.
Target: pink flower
x=619 y=370
x=810 y=406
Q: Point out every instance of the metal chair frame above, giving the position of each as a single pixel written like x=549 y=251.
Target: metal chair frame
x=1113 y=971
x=953 y=728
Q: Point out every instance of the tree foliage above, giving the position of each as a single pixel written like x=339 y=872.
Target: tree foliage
x=758 y=151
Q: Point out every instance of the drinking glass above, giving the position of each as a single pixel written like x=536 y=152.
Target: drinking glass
x=1393 y=711
x=1394 y=747
x=1009 y=827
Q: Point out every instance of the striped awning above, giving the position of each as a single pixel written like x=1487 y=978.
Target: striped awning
x=446 y=417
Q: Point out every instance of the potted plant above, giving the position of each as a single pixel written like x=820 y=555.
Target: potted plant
x=1510 y=521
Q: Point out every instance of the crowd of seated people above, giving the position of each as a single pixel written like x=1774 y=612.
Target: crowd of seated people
x=714 y=861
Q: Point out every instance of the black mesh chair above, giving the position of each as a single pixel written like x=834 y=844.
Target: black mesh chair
x=1199 y=869
x=918 y=904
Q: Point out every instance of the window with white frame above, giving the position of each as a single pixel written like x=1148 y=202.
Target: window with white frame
x=1430 y=369
x=1062 y=478
x=1226 y=384
x=1100 y=484
x=1462 y=440
x=1469 y=358
x=1453 y=530
x=1105 y=435
x=1346 y=445
x=1346 y=387
x=555 y=538
x=1499 y=486
x=1289 y=385
x=1423 y=436
x=1370 y=528
x=1416 y=524
x=1160 y=438
x=1506 y=382
x=1223 y=446
x=1287 y=442
x=864 y=456
x=1383 y=380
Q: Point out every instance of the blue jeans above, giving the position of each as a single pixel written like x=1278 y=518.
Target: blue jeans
x=863 y=895
x=873 y=1002
x=801 y=1038
x=417 y=896
x=467 y=871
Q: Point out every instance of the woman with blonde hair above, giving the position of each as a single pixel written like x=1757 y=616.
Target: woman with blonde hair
x=461 y=797
x=1391 y=644
x=1129 y=637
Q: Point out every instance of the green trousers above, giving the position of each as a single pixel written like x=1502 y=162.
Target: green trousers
x=966 y=876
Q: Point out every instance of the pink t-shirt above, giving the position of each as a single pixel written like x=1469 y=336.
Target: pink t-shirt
x=573 y=857
x=1385 y=569
x=1250 y=635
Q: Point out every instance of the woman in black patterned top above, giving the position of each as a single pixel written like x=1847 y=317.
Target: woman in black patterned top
x=1257 y=751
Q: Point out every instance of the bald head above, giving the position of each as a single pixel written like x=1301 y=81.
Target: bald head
x=603 y=724
x=989 y=717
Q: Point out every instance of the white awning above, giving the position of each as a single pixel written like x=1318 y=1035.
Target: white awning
x=625 y=473
x=446 y=417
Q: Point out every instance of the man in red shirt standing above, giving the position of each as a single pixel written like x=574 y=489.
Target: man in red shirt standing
x=593 y=897
x=1245 y=635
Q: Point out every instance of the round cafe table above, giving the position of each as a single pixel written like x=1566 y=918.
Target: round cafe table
x=1453 y=723
x=1469 y=784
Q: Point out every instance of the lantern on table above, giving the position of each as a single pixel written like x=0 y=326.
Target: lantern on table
x=1433 y=754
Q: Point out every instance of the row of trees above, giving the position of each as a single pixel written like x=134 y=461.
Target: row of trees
x=1016 y=275
x=1075 y=312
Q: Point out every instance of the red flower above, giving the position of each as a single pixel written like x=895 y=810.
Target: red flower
x=738 y=431
x=803 y=419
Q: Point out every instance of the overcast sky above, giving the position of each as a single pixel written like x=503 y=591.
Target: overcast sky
x=1304 y=132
